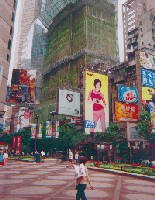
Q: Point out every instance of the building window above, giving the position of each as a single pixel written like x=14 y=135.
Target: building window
x=13 y=17
x=153 y=46
x=8 y=57
x=10 y=30
x=9 y=45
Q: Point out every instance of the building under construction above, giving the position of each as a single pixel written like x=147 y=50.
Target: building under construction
x=82 y=35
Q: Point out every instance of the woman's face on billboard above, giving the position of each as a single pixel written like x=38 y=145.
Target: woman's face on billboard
x=98 y=86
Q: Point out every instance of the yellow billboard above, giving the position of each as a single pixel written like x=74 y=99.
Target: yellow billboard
x=147 y=93
x=96 y=102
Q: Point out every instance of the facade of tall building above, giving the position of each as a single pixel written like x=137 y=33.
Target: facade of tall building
x=7 y=12
x=134 y=11
x=82 y=34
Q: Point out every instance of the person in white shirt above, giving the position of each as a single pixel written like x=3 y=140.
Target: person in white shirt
x=82 y=178
x=42 y=154
x=70 y=156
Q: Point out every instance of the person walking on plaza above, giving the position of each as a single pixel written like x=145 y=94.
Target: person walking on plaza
x=70 y=156
x=42 y=155
x=82 y=178
x=5 y=157
x=77 y=157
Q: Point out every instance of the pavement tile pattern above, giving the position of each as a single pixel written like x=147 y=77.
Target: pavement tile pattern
x=52 y=181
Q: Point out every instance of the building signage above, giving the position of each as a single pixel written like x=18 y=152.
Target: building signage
x=19 y=142
x=132 y=134
x=96 y=102
x=126 y=112
x=127 y=94
x=148 y=78
x=69 y=103
x=147 y=60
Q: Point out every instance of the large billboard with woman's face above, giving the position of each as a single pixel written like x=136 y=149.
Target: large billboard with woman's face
x=96 y=102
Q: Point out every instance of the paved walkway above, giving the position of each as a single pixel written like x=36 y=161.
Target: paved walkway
x=49 y=181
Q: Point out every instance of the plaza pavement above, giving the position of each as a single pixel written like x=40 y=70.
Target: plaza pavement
x=51 y=181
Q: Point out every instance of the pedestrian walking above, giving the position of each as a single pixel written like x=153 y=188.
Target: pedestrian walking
x=77 y=157
x=43 y=155
x=5 y=157
x=82 y=179
x=70 y=156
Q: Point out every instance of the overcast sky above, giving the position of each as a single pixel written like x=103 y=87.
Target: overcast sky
x=120 y=30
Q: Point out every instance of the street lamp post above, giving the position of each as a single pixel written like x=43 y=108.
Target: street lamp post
x=37 y=130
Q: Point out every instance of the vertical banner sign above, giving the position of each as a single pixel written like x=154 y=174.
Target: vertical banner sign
x=54 y=130
x=96 y=102
x=48 y=129
x=57 y=129
x=152 y=113
x=1 y=74
x=14 y=140
x=40 y=131
x=33 y=130
x=19 y=142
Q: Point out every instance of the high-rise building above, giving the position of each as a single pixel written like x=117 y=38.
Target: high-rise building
x=7 y=13
x=82 y=34
x=134 y=11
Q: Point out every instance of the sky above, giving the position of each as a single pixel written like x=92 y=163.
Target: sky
x=120 y=30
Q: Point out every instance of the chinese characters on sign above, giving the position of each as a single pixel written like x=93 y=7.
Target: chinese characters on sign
x=89 y=124
x=126 y=112
x=148 y=78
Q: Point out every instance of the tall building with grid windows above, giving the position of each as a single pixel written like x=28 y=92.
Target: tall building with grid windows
x=7 y=13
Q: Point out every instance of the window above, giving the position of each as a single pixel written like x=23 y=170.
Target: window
x=13 y=17
x=9 y=44
x=8 y=57
x=11 y=30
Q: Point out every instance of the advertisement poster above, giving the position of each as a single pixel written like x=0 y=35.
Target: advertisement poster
x=22 y=88
x=23 y=118
x=48 y=129
x=132 y=134
x=152 y=113
x=14 y=142
x=148 y=78
x=147 y=93
x=126 y=112
x=69 y=103
x=147 y=60
x=127 y=94
x=1 y=74
x=33 y=130
x=19 y=142
x=39 y=135
x=96 y=102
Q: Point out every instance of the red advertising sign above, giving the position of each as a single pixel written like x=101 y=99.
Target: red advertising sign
x=19 y=141
x=126 y=112
x=14 y=142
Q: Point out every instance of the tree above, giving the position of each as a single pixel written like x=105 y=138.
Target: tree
x=144 y=126
x=69 y=136
x=111 y=135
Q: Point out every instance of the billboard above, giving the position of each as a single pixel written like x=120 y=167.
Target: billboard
x=48 y=129
x=126 y=112
x=22 y=88
x=148 y=78
x=151 y=106
x=127 y=94
x=1 y=74
x=147 y=60
x=69 y=103
x=33 y=130
x=147 y=93
x=96 y=102
x=132 y=134
x=23 y=118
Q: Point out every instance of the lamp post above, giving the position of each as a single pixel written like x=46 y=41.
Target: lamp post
x=37 y=130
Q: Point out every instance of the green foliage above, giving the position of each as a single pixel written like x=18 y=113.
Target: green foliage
x=144 y=125
x=112 y=134
x=69 y=136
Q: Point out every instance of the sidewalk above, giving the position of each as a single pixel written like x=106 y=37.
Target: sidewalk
x=122 y=173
